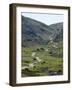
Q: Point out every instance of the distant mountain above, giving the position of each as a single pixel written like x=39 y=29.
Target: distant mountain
x=58 y=31
x=38 y=33
x=57 y=26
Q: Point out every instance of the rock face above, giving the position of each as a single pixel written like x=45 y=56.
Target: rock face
x=38 y=33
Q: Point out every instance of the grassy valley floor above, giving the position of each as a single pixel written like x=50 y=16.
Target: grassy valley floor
x=39 y=61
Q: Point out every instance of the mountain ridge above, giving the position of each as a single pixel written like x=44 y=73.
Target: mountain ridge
x=37 y=33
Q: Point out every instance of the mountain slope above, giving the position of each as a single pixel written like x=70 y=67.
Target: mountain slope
x=58 y=31
x=38 y=33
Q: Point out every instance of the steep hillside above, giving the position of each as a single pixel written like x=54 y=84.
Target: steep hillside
x=38 y=33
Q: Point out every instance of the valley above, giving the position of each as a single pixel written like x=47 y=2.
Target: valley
x=42 y=48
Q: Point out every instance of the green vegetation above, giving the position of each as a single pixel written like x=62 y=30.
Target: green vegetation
x=49 y=64
x=42 y=48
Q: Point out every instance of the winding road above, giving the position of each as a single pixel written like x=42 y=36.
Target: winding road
x=31 y=65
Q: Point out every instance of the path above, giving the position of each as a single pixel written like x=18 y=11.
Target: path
x=24 y=67
x=38 y=59
x=33 y=54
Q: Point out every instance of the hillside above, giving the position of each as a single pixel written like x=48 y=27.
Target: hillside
x=58 y=31
x=37 y=33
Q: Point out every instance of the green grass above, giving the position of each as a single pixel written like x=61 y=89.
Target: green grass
x=48 y=62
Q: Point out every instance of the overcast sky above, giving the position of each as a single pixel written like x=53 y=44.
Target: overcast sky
x=46 y=18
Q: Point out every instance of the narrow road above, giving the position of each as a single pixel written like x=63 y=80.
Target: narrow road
x=24 y=67
x=38 y=59
x=33 y=54
x=32 y=64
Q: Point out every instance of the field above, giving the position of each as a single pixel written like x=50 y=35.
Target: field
x=40 y=61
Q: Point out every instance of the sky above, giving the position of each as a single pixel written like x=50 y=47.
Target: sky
x=46 y=18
